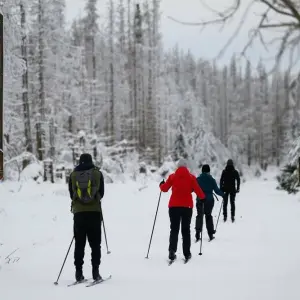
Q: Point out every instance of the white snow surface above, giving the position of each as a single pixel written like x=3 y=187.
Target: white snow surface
x=255 y=258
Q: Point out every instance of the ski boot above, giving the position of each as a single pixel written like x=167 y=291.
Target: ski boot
x=187 y=258
x=172 y=255
x=79 y=275
x=96 y=275
x=211 y=237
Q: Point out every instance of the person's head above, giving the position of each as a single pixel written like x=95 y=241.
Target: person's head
x=229 y=162
x=85 y=158
x=182 y=162
x=205 y=169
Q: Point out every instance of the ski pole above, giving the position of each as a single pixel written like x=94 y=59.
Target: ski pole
x=219 y=215
x=216 y=197
x=108 y=252
x=56 y=282
x=200 y=253
x=153 y=225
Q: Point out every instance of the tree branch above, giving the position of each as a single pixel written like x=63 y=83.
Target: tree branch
x=281 y=8
x=278 y=25
x=292 y=8
x=274 y=8
x=223 y=16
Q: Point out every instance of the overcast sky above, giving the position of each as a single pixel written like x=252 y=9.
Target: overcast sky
x=205 y=44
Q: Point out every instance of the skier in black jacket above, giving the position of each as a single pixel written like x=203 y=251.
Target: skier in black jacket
x=230 y=185
x=87 y=179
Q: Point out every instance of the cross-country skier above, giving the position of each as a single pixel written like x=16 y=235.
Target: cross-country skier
x=230 y=185
x=86 y=187
x=183 y=184
x=208 y=185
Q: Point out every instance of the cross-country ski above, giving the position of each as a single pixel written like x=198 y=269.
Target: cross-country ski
x=95 y=282
x=77 y=282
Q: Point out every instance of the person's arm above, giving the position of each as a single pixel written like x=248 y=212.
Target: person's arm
x=222 y=181
x=164 y=187
x=71 y=191
x=238 y=180
x=71 y=187
x=216 y=189
x=197 y=189
x=101 y=185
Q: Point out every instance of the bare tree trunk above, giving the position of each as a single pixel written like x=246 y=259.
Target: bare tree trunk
x=130 y=68
x=52 y=138
x=112 y=104
x=137 y=77
x=26 y=109
x=249 y=152
x=277 y=125
x=41 y=71
x=93 y=86
x=1 y=99
x=157 y=137
x=112 y=76
x=225 y=109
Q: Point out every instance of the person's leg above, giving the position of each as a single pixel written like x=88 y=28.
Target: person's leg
x=80 y=241
x=199 y=219
x=232 y=206
x=225 y=203
x=94 y=238
x=186 y=218
x=174 y=214
x=209 y=205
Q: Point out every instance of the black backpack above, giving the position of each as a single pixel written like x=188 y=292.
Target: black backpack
x=85 y=187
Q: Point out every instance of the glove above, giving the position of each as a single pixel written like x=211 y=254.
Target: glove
x=162 y=182
x=238 y=190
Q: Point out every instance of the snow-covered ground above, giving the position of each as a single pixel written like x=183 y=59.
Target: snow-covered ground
x=256 y=258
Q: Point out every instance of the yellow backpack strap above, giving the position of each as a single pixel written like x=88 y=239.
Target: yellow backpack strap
x=78 y=190
x=89 y=188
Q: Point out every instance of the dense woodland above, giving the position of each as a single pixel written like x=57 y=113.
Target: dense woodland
x=109 y=81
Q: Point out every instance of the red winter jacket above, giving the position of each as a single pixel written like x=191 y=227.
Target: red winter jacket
x=183 y=183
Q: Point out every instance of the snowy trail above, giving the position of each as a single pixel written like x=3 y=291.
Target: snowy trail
x=255 y=258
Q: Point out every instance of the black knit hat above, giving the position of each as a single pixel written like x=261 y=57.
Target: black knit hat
x=205 y=169
x=85 y=158
x=230 y=162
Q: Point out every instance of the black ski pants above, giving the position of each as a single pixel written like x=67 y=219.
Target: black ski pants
x=232 y=203
x=180 y=216
x=87 y=225
x=205 y=209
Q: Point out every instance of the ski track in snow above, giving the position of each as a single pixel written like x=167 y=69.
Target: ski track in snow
x=256 y=258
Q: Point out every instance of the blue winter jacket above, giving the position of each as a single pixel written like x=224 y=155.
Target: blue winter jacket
x=208 y=184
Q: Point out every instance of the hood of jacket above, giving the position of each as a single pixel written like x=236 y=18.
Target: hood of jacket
x=84 y=167
x=230 y=168
x=182 y=172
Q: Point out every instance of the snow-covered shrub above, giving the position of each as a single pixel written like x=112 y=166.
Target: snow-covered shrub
x=257 y=173
x=205 y=148
x=288 y=179
x=13 y=167
x=33 y=171
x=168 y=167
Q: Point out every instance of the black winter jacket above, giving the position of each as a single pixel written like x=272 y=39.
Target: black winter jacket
x=230 y=180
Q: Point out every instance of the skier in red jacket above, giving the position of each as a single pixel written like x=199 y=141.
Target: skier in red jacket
x=183 y=183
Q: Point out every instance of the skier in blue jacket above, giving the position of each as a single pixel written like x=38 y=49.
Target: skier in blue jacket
x=208 y=184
